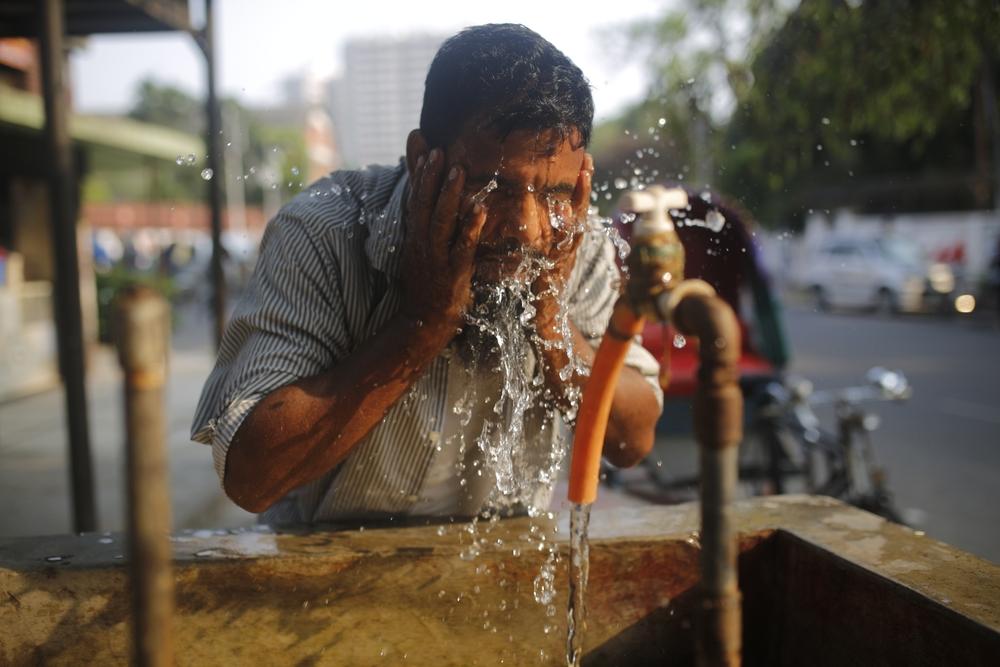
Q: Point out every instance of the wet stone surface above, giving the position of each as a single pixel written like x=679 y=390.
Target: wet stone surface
x=404 y=595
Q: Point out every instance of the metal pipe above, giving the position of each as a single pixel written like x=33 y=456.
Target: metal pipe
x=214 y=145
x=142 y=333
x=718 y=427
x=656 y=289
x=62 y=215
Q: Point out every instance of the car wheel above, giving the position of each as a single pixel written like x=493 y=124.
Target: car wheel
x=820 y=300
x=885 y=302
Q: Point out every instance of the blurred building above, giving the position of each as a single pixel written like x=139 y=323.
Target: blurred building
x=377 y=101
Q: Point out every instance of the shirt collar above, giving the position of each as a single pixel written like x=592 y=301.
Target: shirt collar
x=387 y=228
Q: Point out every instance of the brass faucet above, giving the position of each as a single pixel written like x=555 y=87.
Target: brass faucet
x=657 y=290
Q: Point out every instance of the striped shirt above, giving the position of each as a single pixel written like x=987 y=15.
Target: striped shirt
x=326 y=281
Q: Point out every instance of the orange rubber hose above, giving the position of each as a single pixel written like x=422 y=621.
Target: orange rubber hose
x=595 y=408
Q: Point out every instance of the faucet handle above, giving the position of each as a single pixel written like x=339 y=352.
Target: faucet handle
x=656 y=262
x=653 y=205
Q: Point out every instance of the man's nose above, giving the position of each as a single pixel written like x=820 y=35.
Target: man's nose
x=521 y=221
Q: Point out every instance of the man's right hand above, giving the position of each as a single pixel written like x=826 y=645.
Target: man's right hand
x=299 y=432
x=442 y=232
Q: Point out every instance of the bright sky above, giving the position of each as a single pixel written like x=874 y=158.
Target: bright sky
x=260 y=42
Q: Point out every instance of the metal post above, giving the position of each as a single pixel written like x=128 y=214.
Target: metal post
x=62 y=211
x=214 y=146
x=142 y=333
x=718 y=426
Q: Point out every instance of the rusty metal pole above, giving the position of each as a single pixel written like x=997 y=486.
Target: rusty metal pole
x=62 y=212
x=718 y=427
x=142 y=333
x=206 y=41
x=656 y=288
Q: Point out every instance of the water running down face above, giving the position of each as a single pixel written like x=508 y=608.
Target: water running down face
x=526 y=181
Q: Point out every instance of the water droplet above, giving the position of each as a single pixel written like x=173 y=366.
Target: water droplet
x=295 y=171
x=53 y=559
x=180 y=160
x=715 y=221
x=207 y=174
x=620 y=183
x=825 y=120
x=661 y=122
x=191 y=159
x=105 y=540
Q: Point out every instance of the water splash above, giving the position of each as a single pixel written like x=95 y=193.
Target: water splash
x=579 y=571
x=500 y=340
x=545 y=582
x=492 y=185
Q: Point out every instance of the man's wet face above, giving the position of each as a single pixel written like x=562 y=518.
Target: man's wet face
x=524 y=180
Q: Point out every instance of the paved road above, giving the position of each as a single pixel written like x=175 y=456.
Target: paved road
x=941 y=448
x=34 y=489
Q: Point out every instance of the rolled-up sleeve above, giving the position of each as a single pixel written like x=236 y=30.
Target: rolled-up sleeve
x=289 y=324
x=594 y=288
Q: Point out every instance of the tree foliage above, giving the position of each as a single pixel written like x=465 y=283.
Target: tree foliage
x=821 y=103
x=273 y=156
x=848 y=93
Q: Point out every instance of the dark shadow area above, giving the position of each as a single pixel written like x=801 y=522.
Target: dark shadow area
x=803 y=605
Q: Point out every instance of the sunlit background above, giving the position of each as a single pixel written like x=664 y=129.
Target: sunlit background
x=859 y=141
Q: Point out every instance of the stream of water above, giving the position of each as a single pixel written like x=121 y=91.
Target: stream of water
x=579 y=570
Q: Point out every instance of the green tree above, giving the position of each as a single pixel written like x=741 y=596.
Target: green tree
x=819 y=103
x=166 y=105
x=271 y=154
x=696 y=58
x=871 y=104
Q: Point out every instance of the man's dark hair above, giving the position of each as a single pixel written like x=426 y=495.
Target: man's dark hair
x=503 y=77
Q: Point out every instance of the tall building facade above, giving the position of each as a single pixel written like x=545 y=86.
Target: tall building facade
x=377 y=101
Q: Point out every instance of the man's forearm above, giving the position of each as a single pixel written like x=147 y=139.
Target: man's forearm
x=634 y=409
x=300 y=432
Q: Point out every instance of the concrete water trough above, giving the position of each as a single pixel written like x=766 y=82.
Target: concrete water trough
x=822 y=583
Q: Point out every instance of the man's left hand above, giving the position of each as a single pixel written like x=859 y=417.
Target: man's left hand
x=564 y=239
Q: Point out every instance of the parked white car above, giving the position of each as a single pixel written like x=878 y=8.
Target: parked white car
x=887 y=275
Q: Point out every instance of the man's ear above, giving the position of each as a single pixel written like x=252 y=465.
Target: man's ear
x=416 y=147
